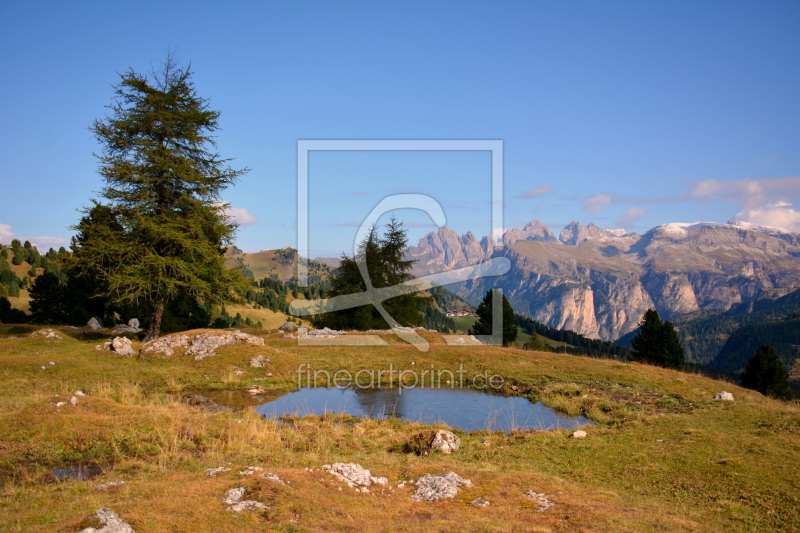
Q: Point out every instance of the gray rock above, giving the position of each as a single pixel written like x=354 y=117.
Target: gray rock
x=431 y=488
x=122 y=328
x=212 y=472
x=134 y=323
x=206 y=344
x=259 y=361
x=250 y=470
x=122 y=346
x=110 y=484
x=288 y=326
x=542 y=499
x=110 y=522
x=580 y=434
x=273 y=477
x=167 y=345
x=445 y=442
x=73 y=401
x=94 y=324
x=236 y=503
x=47 y=333
x=354 y=475
x=726 y=396
x=480 y=502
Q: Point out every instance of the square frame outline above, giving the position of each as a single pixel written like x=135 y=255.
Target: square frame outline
x=494 y=146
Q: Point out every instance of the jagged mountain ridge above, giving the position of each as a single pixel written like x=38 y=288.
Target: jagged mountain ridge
x=599 y=281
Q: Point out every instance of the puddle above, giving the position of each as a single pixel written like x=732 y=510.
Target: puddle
x=80 y=472
x=466 y=409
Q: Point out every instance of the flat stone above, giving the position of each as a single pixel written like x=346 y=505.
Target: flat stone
x=111 y=523
x=724 y=395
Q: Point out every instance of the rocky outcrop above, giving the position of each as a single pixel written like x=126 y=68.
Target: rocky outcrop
x=122 y=346
x=201 y=346
x=110 y=522
x=599 y=282
x=354 y=475
x=431 y=488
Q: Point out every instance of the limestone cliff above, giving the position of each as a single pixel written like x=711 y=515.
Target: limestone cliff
x=599 y=282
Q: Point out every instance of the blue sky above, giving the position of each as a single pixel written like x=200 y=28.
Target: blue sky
x=625 y=114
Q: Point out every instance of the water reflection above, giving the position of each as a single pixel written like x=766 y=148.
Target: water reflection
x=466 y=409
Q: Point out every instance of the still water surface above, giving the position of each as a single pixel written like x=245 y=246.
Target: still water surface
x=466 y=409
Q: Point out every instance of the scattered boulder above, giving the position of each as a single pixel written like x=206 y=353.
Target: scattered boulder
x=288 y=326
x=110 y=522
x=542 y=499
x=324 y=333
x=122 y=346
x=250 y=470
x=725 y=396
x=429 y=441
x=273 y=477
x=47 y=333
x=255 y=389
x=259 y=361
x=110 y=484
x=431 y=487
x=480 y=502
x=94 y=324
x=122 y=328
x=580 y=434
x=212 y=472
x=206 y=344
x=73 y=401
x=207 y=404
x=167 y=345
x=134 y=323
x=354 y=475
x=79 y=393
x=234 y=498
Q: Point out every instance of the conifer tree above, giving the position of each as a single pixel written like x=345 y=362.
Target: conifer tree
x=657 y=342
x=162 y=186
x=386 y=267
x=766 y=373
x=485 y=321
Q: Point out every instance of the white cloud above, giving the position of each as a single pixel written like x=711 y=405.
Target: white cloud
x=45 y=243
x=6 y=235
x=240 y=215
x=777 y=214
x=538 y=191
x=596 y=203
x=750 y=193
x=630 y=216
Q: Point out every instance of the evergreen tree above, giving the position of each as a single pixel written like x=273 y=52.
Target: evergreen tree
x=50 y=301
x=13 y=289
x=386 y=267
x=485 y=322
x=657 y=342
x=163 y=188
x=32 y=271
x=766 y=374
x=19 y=256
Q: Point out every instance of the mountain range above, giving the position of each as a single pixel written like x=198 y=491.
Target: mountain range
x=600 y=281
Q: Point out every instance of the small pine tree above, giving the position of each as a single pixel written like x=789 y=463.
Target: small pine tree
x=13 y=289
x=766 y=373
x=27 y=245
x=32 y=271
x=19 y=256
x=484 y=324
x=657 y=342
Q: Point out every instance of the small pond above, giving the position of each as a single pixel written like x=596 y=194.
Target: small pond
x=80 y=472
x=466 y=409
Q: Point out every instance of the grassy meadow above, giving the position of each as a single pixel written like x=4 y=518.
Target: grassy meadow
x=662 y=456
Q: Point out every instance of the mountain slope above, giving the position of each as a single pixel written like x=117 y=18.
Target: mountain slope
x=598 y=282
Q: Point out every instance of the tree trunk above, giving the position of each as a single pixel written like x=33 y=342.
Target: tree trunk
x=154 y=329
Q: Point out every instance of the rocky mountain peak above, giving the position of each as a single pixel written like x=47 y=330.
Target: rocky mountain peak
x=576 y=233
x=533 y=231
